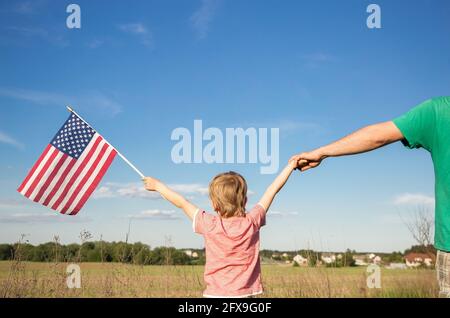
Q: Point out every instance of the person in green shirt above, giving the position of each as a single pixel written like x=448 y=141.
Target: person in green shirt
x=425 y=126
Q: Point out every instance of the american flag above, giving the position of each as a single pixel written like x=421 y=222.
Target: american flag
x=70 y=168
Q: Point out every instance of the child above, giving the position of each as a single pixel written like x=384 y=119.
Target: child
x=232 y=236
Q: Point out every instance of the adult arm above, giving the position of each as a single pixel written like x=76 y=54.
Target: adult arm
x=362 y=140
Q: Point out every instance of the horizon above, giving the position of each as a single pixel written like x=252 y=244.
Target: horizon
x=202 y=248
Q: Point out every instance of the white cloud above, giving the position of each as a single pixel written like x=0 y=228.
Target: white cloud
x=316 y=59
x=23 y=35
x=13 y=203
x=29 y=31
x=140 y=30
x=103 y=193
x=157 y=214
x=413 y=199
x=28 y=7
x=136 y=28
x=319 y=57
x=42 y=218
x=137 y=190
x=202 y=17
x=190 y=188
x=131 y=190
x=287 y=126
x=95 y=43
x=281 y=214
x=6 y=139
x=89 y=100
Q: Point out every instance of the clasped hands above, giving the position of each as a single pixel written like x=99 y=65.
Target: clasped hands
x=307 y=160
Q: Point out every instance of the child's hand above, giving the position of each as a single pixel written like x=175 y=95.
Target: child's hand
x=150 y=183
x=297 y=164
x=292 y=164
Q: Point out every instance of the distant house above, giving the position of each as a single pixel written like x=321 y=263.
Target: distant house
x=360 y=260
x=285 y=255
x=366 y=259
x=397 y=266
x=417 y=259
x=375 y=259
x=328 y=258
x=300 y=260
x=191 y=253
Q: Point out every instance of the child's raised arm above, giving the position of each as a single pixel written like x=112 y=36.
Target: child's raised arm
x=152 y=184
x=276 y=185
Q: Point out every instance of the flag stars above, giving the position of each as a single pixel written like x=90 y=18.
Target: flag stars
x=73 y=137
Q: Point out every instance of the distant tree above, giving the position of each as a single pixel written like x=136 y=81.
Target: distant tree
x=70 y=252
x=107 y=252
x=141 y=253
x=180 y=258
x=93 y=255
x=347 y=258
x=421 y=227
x=421 y=249
x=122 y=252
x=168 y=256
x=6 y=252
x=394 y=257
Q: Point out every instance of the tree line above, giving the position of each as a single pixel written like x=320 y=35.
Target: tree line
x=100 y=251
x=141 y=254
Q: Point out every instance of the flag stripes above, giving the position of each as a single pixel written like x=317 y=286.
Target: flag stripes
x=68 y=187
x=64 y=183
x=95 y=182
x=61 y=159
x=33 y=169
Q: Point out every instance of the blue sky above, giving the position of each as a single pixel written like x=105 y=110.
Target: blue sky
x=137 y=71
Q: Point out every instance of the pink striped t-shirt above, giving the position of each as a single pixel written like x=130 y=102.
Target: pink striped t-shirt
x=232 y=253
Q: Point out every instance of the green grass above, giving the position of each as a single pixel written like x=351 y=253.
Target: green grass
x=27 y=279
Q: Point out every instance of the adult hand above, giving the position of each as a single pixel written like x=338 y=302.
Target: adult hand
x=308 y=160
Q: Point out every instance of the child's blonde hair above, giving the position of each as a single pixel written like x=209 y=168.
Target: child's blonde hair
x=228 y=194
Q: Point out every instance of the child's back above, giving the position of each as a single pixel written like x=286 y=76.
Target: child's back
x=232 y=236
x=232 y=253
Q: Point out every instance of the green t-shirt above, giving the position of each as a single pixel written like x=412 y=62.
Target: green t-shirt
x=428 y=126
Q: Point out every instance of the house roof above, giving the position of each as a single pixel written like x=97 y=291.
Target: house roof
x=411 y=257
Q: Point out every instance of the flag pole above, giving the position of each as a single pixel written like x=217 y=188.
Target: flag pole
x=70 y=109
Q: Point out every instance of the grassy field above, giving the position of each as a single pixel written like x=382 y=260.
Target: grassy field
x=27 y=279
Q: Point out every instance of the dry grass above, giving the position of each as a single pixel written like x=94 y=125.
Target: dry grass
x=26 y=279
